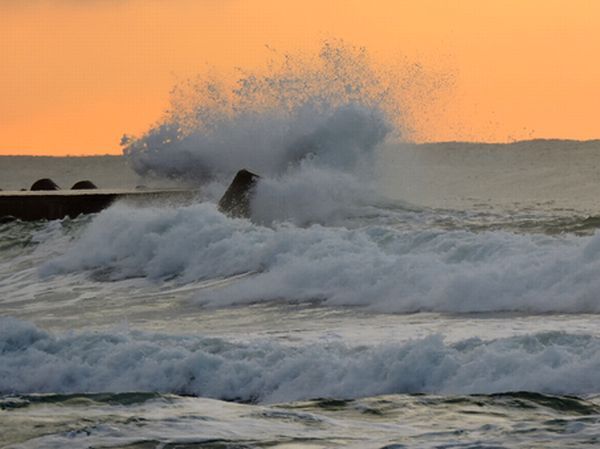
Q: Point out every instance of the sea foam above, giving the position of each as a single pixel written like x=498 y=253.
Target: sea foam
x=379 y=267
x=33 y=361
x=334 y=109
x=311 y=127
x=313 y=131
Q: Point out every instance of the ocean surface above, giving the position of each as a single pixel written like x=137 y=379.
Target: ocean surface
x=447 y=297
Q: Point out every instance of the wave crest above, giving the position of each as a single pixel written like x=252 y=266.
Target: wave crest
x=333 y=109
x=378 y=267
x=38 y=362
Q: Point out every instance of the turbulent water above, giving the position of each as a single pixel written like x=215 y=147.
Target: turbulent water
x=381 y=295
x=351 y=320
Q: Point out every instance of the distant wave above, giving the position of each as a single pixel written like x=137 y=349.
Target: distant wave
x=34 y=361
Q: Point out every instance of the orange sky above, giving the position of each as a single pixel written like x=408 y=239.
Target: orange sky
x=77 y=74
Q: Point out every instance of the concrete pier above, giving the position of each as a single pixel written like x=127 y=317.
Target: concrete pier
x=57 y=204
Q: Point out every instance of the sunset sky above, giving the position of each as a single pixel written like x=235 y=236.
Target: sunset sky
x=75 y=75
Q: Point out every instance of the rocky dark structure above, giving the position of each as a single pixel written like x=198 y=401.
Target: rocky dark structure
x=236 y=200
x=53 y=205
x=44 y=184
x=84 y=185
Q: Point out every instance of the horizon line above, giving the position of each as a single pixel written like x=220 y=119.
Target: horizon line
x=437 y=142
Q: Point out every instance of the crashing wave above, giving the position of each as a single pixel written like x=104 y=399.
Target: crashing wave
x=378 y=267
x=34 y=361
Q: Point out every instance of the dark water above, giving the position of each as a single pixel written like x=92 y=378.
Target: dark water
x=149 y=420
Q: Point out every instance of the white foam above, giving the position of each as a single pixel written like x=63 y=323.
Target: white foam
x=311 y=194
x=334 y=109
x=263 y=141
x=310 y=128
x=33 y=361
x=378 y=267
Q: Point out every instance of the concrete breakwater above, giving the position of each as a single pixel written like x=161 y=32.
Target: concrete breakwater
x=57 y=204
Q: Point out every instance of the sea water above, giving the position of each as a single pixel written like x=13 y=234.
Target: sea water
x=382 y=294
x=380 y=324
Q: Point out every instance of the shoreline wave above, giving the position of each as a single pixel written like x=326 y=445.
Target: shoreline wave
x=34 y=361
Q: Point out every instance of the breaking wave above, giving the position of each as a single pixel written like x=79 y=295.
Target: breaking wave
x=379 y=267
x=340 y=137
x=313 y=131
x=310 y=124
x=332 y=110
x=34 y=361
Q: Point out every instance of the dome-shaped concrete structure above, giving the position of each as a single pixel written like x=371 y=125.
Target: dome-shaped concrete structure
x=44 y=184
x=84 y=185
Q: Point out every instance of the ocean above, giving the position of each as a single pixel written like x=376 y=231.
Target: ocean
x=439 y=296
